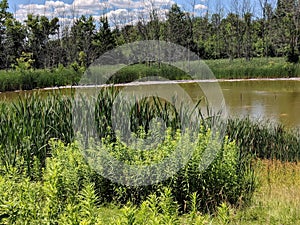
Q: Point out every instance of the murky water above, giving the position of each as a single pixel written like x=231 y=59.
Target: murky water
x=276 y=100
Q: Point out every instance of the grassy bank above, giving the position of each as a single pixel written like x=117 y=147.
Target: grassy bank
x=222 y=69
x=12 y=80
x=264 y=139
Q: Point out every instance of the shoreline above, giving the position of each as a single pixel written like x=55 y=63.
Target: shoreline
x=136 y=83
x=139 y=83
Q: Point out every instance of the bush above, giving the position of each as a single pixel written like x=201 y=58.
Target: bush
x=229 y=178
x=65 y=194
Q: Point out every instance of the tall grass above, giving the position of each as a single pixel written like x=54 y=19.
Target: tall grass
x=265 y=140
x=70 y=192
x=256 y=68
x=277 y=198
x=138 y=71
x=27 y=125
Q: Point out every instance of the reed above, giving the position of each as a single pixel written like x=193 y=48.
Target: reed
x=27 y=125
x=265 y=140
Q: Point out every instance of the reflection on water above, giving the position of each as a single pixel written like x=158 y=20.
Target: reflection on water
x=276 y=100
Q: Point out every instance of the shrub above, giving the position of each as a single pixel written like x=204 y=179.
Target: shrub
x=228 y=178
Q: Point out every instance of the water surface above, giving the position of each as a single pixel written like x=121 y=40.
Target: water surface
x=274 y=100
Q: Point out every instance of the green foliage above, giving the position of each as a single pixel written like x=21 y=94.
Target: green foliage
x=228 y=178
x=40 y=29
x=28 y=124
x=82 y=59
x=25 y=62
x=25 y=78
x=238 y=34
x=65 y=194
x=225 y=213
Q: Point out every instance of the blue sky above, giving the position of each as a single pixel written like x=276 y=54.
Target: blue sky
x=118 y=11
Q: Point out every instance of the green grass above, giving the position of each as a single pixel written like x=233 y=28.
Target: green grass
x=221 y=68
x=66 y=194
x=276 y=200
x=138 y=71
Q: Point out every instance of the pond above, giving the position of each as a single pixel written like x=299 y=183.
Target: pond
x=277 y=100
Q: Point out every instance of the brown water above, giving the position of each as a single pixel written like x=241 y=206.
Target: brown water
x=275 y=100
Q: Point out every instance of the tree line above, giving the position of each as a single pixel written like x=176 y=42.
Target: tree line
x=239 y=34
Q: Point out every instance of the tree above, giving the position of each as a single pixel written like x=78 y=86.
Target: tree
x=201 y=33
x=287 y=23
x=4 y=16
x=81 y=38
x=247 y=40
x=104 y=39
x=39 y=31
x=232 y=35
x=14 y=41
x=154 y=26
x=179 y=27
x=265 y=29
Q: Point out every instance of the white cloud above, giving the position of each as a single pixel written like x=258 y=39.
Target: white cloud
x=200 y=6
x=127 y=4
x=89 y=4
x=56 y=4
x=118 y=11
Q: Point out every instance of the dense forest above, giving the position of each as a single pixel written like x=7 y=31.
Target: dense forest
x=42 y=43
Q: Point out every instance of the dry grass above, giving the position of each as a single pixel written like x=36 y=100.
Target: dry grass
x=277 y=200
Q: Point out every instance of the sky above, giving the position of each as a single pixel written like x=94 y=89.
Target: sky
x=118 y=11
